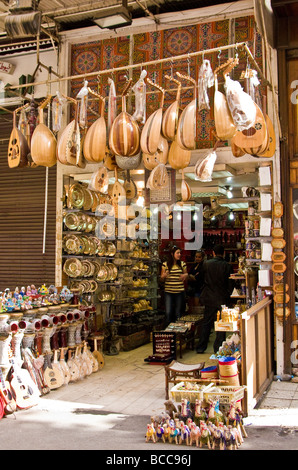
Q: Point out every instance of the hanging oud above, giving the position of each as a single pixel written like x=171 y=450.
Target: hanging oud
x=43 y=141
x=94 y=147
x=160 y=156
x=254 y=139
x=186 y=128
x=69 y=144
x=151 y=132
x=171 y=114
x=224 y=124
x=18 y=148
x=124 y=138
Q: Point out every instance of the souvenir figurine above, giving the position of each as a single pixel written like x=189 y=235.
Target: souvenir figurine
x=230 y=442
x=23 y=291
x=160 y=433
x=16 y=293
x=150 y=434
x=174 y=434
x=204 y=435
x=184 y=433
x=200 y=414
x=195 y=433
x=218 y=439
x=33 y=290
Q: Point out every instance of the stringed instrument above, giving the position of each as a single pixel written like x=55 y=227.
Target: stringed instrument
x=25 y=391
x=178 y=157
x=224 y=124
x=151 y=132
x=64 y=366
x=43 y=141
x=73 y=367
x=69 y=144
x=94 y=148
x=254 y=139
x=124 y=138
x=118 y=190
x=171 y=114
x=93 y=361
x=18 y=148
x=98 y=354
x=130 y=187
x=187 y=123
x=9 y=402
x=52 y=373
x=185 y=189
x=160 y=156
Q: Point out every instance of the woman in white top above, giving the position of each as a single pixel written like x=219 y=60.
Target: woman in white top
x=174 y=273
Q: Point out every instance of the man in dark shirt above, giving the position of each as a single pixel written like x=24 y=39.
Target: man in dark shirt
x=216 y=292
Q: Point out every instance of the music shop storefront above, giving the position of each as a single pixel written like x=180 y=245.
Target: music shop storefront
x=91 y=286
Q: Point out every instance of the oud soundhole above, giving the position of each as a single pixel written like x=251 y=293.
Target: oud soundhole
x=249 y=132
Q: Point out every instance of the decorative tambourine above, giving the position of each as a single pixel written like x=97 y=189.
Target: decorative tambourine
x=278 y=209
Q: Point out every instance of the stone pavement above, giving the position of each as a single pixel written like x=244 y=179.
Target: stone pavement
x=110 y=409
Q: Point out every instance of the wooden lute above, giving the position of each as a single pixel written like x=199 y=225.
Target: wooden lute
x=160 y=156
x=52 y=373
x=94 y=147
x=124 y=138
x=171 y=114
x=224 y=124
x=130 y=187
x=186 y=128
x=18 y=148
x=151 y=132
x=43 y=141
x=10 y=405
x=24 y=389
x=69 y=143
x=254 y=139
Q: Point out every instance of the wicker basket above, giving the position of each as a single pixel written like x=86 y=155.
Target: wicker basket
x=178 y=393
x=225 y=394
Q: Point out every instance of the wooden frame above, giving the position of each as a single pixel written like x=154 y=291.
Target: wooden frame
x=257 y=351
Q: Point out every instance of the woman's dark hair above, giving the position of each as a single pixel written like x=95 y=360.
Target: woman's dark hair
x=170 y=261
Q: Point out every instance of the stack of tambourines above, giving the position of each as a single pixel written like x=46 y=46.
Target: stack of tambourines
x=280 y=288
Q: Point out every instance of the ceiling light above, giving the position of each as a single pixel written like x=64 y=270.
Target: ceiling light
x=113 y=17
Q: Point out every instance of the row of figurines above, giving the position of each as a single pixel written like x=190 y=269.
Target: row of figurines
x=195 y=424
x=23 y=299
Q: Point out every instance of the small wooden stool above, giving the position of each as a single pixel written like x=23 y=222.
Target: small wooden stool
x=176 y=371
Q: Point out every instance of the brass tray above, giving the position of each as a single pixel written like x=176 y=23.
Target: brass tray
x=76 y=196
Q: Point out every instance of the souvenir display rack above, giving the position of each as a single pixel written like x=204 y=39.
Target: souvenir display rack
x=118 y=275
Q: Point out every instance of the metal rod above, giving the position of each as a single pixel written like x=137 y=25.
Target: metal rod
x=146 y=64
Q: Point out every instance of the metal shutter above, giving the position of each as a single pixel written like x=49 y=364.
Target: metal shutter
x=22 y=205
